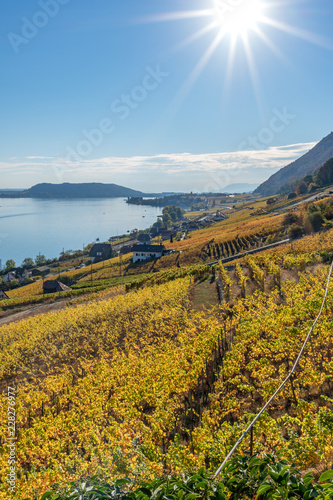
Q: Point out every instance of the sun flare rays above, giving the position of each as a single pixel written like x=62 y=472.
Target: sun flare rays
x=235 y=25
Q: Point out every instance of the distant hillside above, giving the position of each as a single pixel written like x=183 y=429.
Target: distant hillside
x=305 y=165
x=11 y=193
x=86 y=190
x=180 y=200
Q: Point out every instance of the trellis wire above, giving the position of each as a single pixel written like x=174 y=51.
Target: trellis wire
x=283 y=383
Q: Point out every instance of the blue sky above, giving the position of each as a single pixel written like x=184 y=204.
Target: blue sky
x=121 y=91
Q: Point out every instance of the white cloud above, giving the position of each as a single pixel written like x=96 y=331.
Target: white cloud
x=274 y=157
x=238 y=166
x=39 y=157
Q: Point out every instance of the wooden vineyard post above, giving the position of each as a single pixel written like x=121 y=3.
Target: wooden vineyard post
x=251 y=442
x=293 y=390
x=202 y=386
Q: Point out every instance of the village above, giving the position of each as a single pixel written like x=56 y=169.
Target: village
x=147 y=245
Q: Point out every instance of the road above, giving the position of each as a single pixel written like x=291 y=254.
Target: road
x=312 y=198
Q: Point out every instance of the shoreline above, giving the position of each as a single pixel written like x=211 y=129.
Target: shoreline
x=60 y=225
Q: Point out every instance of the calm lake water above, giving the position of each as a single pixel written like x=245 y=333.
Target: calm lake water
x=29 y=226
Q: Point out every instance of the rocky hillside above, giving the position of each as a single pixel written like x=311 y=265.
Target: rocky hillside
x=307 y=164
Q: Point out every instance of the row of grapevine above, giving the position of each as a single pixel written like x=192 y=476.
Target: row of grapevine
x=241 y=279
x=257 y=273
x=225 y=280
x=166 y=276
x=215 y=250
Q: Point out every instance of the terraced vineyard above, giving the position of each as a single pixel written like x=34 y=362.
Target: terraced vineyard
x=142 y=384
x=79 y=403
x=215 y=250
x=267 y=336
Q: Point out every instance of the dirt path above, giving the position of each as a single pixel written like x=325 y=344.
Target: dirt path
x=33 y=311
x=204 y=294
x=12 y=316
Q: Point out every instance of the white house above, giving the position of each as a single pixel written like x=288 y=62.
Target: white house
x=9 y=277
x=219 y=217
x=147 y=252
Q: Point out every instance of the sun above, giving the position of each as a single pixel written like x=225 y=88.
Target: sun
x=238 y=17
x=236 y=26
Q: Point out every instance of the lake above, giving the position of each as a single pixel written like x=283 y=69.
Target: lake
x=32 y=226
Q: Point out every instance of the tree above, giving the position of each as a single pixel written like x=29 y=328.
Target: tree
x=40 y=260
x=312 y=187
x=166 y=219
x=302 y=188
x=313 y=222
x=28 y=263
x=66 y=255
x=175 y=213
x=10 y=265
x=325 y=174
x=158 y=224
x=308 y=179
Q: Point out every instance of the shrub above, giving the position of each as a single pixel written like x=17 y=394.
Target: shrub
x=313 y=222
x=244 y=477
x=13 y=284
x=295 y=231
x=290 y=218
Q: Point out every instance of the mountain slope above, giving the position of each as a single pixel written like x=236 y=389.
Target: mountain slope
x=85 y=190
x=307 y=164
